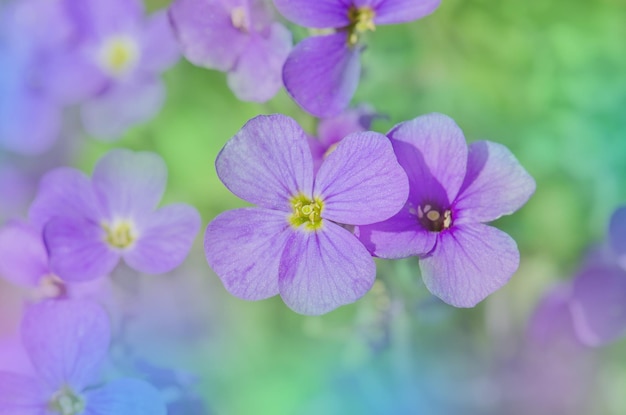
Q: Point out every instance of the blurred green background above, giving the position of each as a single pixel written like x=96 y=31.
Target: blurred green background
x=547 y=79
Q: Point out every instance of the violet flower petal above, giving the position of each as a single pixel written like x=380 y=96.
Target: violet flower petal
x=23 y=256
x=469 y=263
x=22 y=395
x=267 y=162
x=401 y=11
x=495 y=184
x=64 y=192
x=77 y=249
x=257 y=75
x=66 y=341
x=598 y=305
x=332 y=130
x=318 y=14
x=206 y=33
x=129 y=184
x=73 y=76
x=109 y=116
x=438 y=161
x=243 y=247
x=617 y=233
x=160 y=48
x=165 y=239
x=361 y=182
x=125 y=397
x=398 y=237
x=322 y=74
x=322 y=270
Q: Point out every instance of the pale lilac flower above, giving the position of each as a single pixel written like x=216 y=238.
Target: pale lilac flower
x=67 y=343
x=240 y=37
x=296 y=243
x=90 y=224
x=322 y=73
x=454 y=190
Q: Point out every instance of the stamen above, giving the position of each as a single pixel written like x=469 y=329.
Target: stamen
x=239 y=19
x=118 y=55
x=306 y=212
x=433 y=219
x=66 y=402
x=361 y=20
x=120 y=234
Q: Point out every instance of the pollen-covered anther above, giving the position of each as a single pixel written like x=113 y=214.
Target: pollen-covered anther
x=361 y=20
x=306 y=212
x=66 y=402
x=119 y=234
x=239 y=19
x=433 y=220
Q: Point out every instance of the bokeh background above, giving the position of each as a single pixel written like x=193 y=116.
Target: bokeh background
x=545 y=78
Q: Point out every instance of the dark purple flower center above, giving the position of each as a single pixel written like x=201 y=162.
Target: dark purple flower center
x=361 y=20
x=66 y=402
x=434 y=218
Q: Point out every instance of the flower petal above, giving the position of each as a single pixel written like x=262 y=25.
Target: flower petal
x=21 y=395
x=108 y=116
x=398 y=237
x=469 y=263
x=322 y=74
x=66 y=341
x=160 y=48
x=322 y=270
x=401 y=11
x=165 y=239
x=23 y=256
x=437 y=161
x=617 y=234
x=206 y=33
x=125 y=397
x=332 y=130
x=129 y=184
x=319 y=14
x=77 y=249
x=267 y=162
x=64 y=192
x=257 y=75
x=73 y=76
x=598 y=305
x=495 y=184
x=361 y=181
x=244 y=247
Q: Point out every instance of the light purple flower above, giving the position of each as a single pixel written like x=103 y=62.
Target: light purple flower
x=67 y=343
x=296 y=243
x=90 y=224
x=322 y=73
x=239 y=37
x=454 y=190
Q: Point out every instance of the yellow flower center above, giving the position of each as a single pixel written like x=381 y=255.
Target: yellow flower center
x=118 y=55
x=239 y=19
x=119 y=234
x=66 y=402
x=306 y=212
x=361 y=20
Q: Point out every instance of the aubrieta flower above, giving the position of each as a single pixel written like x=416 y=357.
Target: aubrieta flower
x=90 y=224
x=322 y=72
x=297 y=242
x=67 y=343
x=454 y=190
x=239 y=37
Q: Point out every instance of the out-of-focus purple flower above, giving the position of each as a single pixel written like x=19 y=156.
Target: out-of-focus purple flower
x=293 y=243
x=24 y=262
x=90 y=224
x=322 y=73
x=453 y=191
x=332 y=130
x=617 y=235
x=239 y=37
x=67 y=343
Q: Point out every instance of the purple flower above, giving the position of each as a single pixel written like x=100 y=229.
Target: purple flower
x=90 y=224
x=296 y=243
x=453 y=191
x=322 y=73
x=239 y=37
x=67 y=343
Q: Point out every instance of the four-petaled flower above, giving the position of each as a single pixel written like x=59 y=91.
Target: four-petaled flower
x=297 y=243
x=453 y=191
x=89 y=224
x=322 y=72
x=67 y=343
